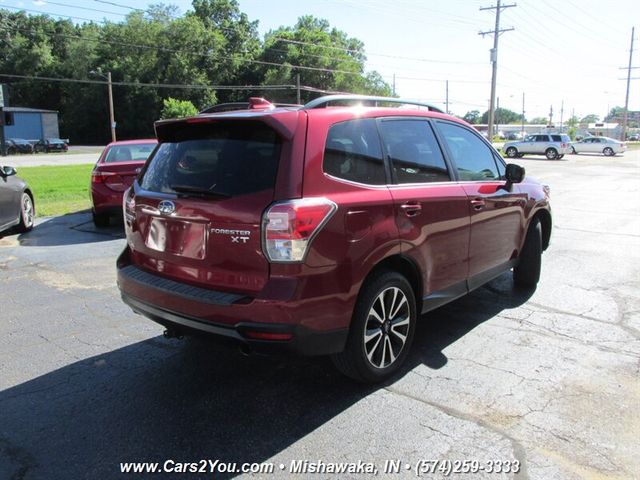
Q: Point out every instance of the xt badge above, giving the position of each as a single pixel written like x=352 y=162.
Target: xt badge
x=237 y=236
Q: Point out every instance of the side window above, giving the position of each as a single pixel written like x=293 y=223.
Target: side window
x=474 y=159
x=353 y=152
x=541 y=138
x=556 y=138
x=413 y=151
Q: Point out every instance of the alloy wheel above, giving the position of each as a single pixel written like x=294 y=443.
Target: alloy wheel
x=27 y=211
x=387 y=327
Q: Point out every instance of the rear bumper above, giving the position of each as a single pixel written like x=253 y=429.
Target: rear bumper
x=265 y=326
x=106 y=200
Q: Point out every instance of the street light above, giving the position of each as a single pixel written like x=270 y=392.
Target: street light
x=112 y=121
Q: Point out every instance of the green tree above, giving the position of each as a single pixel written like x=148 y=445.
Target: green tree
x=174 y=108
x=615 y=115
x=573 y=121
x=591 y=118
x=539 y=121
x=502 y=115
x=473 y=117
x=325 y=58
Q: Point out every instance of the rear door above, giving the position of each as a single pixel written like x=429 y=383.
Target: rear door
x=432 y=211
x=497 y=215
x=199 y=204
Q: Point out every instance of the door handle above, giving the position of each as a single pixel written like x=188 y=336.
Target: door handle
x=478 y=204
x=411 y=209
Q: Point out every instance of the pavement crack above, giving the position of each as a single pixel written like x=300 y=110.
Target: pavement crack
x=519 y=451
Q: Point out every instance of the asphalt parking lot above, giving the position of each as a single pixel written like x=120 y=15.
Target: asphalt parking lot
x=549 y=378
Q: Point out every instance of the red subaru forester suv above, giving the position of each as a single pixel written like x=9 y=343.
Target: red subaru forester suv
x=326 y=228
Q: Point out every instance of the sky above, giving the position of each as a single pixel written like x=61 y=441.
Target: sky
x=569 y=55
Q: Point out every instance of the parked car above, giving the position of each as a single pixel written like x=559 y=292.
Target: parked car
x=51 y=145
x=604 y=145
x=634 y=137
x=324 y=229
x=553 y=146
x=17 y=208
x=117 y=166
x=514 y=135
x=18 y=145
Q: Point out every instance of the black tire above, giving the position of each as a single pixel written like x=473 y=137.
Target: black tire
x=608 y=151
x=551 y=153
x=512 y=152
x=11 y=151
x=520 y=155
x=527 y=273
x=360 y=356
x=573 y=151
x=27 y=213
x=560 y=156
x=101 y=220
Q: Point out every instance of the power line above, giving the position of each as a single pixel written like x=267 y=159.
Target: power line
x=154 y=85
x=219 y=58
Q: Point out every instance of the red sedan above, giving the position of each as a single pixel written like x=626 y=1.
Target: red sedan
x=115 y=170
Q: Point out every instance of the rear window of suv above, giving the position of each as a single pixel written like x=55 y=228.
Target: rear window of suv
x=229 y=158
x=560 y=138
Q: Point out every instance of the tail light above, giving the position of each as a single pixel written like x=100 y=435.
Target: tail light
x=99 y=177
x=129 y=206
x=288 y=228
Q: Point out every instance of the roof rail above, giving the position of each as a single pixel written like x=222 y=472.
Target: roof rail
x=324 y=101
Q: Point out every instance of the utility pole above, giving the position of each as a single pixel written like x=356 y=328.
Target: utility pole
x=561 y=114
x=551 y=116
x=447 y=97
x=111 y=115
x=298 y=99
x=522 y=114
x=494 y=59
x=393 y=94
x=625 y=115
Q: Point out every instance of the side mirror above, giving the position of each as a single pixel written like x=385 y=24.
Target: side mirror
x=513 y=174
x=7 y=171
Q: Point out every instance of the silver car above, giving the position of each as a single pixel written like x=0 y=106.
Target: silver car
x=16 y=202
x=553 y=146
x=604 y=145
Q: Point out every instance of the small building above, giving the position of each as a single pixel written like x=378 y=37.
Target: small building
x=30 y=123
x=602 y=129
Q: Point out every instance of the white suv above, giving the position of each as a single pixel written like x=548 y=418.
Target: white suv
x=553 y=146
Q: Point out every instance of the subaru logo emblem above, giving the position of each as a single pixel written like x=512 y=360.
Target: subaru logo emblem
x=166 y=207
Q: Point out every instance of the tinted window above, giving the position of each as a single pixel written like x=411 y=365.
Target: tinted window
x=229 y=158
x=414 y=152
x=128 y=153
x=556 y=138
x=353 y=152
x=541 y=138
x=474 y=159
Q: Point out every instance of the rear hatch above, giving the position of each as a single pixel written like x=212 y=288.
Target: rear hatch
x=121 y=164
x=196 y=213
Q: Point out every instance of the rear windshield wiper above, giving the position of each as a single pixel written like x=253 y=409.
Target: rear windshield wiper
x=192 y=191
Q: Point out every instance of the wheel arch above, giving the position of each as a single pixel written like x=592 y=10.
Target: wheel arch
x=546 y=225
x=407 y=268
x=33 y=200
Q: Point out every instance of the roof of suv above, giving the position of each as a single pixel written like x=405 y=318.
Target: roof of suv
x=261 y=108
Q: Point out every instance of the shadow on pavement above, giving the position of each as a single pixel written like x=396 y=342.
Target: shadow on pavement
x=71 y=229
x=166 y=399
